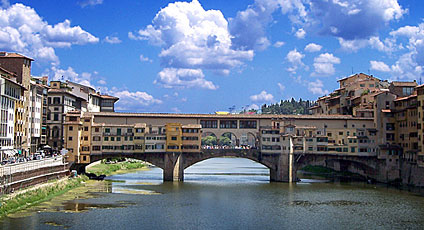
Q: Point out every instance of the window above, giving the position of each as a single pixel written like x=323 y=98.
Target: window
x=96 y=130
x=139 y=130
x=352 y=149
x=70 y=138
x=107 y=130
x=56 y=100
x=112 y=138
x=55 y=117
x=71 y=128
x=232 y=124
x=72 y=118
x=210 y=124
x=85 y=138
x=85 y=128
x=247 y=124
x=118 y=138
x=106 y=139
x=174 y=138
x=96 y=148
x=96 y=138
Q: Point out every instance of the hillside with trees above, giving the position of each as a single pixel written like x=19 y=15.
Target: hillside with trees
x=288 y=107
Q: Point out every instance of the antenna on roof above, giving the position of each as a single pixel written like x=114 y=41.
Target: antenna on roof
x=352 y=70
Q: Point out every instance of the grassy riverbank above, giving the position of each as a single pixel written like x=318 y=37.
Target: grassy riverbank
x=15 y=202
x=116 y=168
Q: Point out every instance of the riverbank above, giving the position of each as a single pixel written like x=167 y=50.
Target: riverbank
x=116 y=168
x=31 y=196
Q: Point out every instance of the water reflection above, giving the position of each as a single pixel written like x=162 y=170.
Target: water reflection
x=225 y=194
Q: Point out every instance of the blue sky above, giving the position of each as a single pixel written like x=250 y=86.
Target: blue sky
x=205 y=56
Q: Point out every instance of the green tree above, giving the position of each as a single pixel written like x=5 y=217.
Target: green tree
x=209 y=140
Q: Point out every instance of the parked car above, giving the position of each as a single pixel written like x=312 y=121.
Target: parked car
x=38 y=157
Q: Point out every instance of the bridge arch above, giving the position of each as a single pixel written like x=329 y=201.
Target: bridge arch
x=357 y=165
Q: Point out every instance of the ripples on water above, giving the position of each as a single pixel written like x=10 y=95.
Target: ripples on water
x=226 y=193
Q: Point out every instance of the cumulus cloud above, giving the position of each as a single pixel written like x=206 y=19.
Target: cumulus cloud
x=262 y=97
x=248 y=27
x=300 y=33
x=112 y=40
x=355 y=19
x=192 y=39
x=295 y=58
x=4 y=3
x=316 y=87
x=86 y=3
x=23 y=30
x=278 y=44
x=324 y=64
x=183 y=78
x=379 y=66
x=131 y=100
x=387 y=46
x=312 y=47
x=101 y=82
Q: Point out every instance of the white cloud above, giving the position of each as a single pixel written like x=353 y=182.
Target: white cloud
x=101 y=82
x=112 y=40
x=252 y=106
x=176 y=110
x=387 y=46
x=23 y=30
x=86 y=3
x=316 y=87
x=262 y=97
x=278 y=44
x=300 y=33
x=4 y=3
x=324 y=64
x=248 y=27
x=295 y=58
x=354 y=19
x=379 y=66
x=312 y=47
x=192 y=39
x=183 y=78
x=132 y=100
x=58 y=74
x=281 y=86
x=145 y=59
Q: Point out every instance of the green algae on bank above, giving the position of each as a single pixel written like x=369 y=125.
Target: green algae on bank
x=116 y=168
x=14 y=203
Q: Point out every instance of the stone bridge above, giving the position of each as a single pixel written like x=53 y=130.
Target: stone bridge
x=283 y=167
x=173 y=164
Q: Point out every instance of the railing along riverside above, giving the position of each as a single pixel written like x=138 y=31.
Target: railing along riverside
x=31 y=165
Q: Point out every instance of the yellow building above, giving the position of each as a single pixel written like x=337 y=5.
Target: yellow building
x=173 y=137
x=191 y=138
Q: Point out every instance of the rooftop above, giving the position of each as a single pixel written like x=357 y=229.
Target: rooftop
x=13 y=55
x=404 y=83
x=231 y=116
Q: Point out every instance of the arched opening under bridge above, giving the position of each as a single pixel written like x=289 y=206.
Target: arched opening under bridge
x=227 y=170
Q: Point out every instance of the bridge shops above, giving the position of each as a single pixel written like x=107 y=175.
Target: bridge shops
x=175 y=141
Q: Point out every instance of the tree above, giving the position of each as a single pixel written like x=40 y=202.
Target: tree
x=209 y=140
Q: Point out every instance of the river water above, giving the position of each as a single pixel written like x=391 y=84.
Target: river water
x=224 y=193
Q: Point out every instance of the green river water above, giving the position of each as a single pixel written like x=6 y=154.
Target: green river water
x=224 y=193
